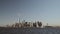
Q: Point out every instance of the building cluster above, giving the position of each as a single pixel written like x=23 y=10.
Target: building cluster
x=27 y=24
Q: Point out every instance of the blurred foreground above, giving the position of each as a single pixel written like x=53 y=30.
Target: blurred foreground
x=29 y=30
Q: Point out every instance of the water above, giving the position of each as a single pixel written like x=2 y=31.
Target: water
x=30 y=31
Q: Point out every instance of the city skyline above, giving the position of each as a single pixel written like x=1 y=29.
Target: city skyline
x=46 y=11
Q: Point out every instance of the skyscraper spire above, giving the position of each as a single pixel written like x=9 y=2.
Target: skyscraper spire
x=19 y=20
x=47 y=24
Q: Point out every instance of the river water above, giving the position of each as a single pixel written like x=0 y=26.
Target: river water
x=30 y=31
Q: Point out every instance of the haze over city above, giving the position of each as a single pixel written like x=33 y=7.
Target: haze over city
x=46 y=11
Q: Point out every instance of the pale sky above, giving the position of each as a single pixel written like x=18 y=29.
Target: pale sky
x=46 y=11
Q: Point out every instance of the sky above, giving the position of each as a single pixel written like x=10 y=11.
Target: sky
x=46 y=11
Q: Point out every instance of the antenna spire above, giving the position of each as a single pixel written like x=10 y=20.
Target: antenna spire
x=47 y=24
x=19 y=20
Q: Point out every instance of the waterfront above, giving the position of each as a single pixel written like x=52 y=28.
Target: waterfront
x=30 y=31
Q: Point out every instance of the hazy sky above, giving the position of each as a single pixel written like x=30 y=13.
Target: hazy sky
x=47 y=11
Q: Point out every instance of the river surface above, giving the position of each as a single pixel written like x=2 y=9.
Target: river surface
x=30 y=31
